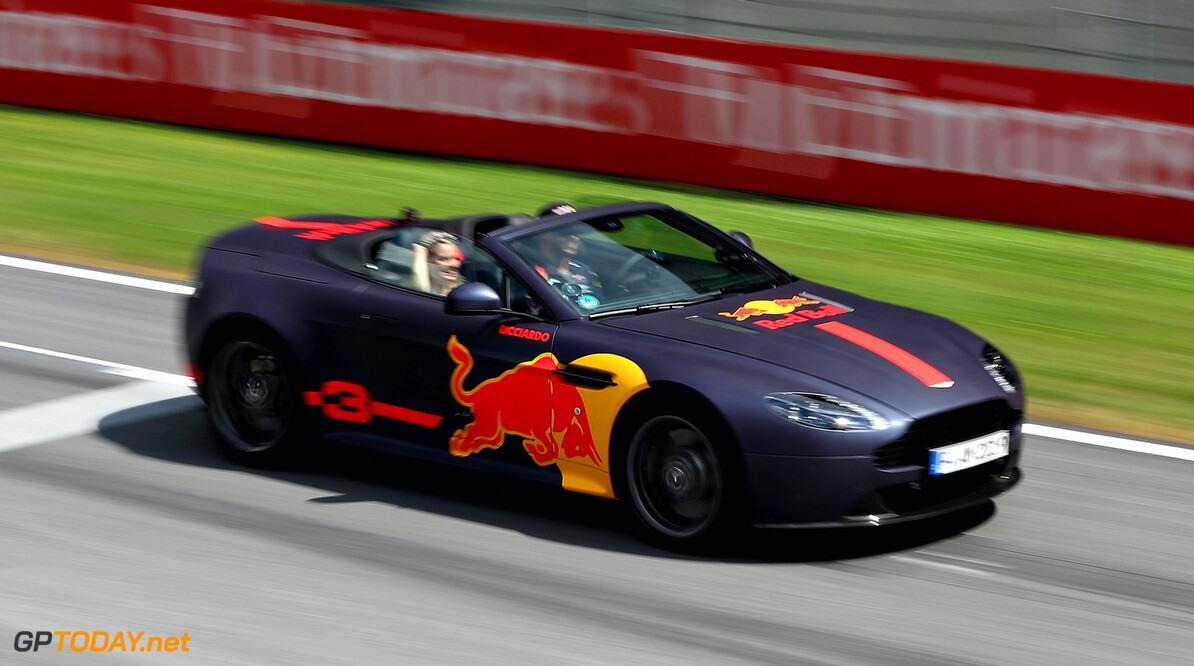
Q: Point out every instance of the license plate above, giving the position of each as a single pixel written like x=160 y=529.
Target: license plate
x=964 y=455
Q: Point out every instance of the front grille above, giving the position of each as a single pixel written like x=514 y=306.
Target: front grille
x=938 y=491
x=945 y=428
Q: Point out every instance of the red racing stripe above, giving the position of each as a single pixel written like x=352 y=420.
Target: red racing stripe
x=283 y=223
x=927 y=374
x=406 y=415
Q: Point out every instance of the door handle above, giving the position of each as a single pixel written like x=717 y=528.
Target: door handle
x=379 y=319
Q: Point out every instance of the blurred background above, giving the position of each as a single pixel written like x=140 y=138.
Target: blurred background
x=1147 y=39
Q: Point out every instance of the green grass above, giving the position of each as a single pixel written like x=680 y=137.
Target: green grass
x=1102 y=328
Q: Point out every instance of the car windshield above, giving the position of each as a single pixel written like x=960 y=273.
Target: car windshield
x=625 y=264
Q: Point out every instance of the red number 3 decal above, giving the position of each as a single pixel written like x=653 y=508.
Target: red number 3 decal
x=353 y=405
x=345 y=401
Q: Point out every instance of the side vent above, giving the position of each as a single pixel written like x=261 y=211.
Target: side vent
x=586 y=377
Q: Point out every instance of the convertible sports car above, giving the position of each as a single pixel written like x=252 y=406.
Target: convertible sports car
x=629 y=351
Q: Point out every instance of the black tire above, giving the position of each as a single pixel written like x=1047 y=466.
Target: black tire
x=254 y=403
x=678 y=484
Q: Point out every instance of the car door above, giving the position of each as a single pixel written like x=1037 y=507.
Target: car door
x=466 y=388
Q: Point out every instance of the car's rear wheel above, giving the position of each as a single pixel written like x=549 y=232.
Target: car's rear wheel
x=676 y=482
x=254 y=402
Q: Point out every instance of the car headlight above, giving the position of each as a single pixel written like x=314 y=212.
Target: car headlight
x=824 y=411
x=1001 y=369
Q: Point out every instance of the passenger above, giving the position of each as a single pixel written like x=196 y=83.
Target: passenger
x=437 y=263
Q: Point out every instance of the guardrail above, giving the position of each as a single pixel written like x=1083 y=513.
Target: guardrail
x=1070 y=151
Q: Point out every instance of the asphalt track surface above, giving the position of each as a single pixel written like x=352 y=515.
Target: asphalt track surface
x=118 y=514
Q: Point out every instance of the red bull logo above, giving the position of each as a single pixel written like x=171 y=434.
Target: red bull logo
x=531 y=401
x=778 y=306
x=559 y=423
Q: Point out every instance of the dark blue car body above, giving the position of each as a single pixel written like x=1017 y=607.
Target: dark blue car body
x=791 y=404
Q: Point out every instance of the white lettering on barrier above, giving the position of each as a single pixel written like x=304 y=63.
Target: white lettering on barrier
x=843 y=115
x=795 y=118
x=275 y=56
x=711 y=96
x=65 y=44
x=207 y=50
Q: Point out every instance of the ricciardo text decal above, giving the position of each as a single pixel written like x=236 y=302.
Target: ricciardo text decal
x=525 y=333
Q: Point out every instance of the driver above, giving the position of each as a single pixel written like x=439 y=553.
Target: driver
x=560 y=262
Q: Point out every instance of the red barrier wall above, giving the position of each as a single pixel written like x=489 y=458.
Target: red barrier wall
x=1079 y=152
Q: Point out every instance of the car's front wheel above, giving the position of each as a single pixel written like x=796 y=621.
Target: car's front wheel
x=254 y=402
x=676 y=481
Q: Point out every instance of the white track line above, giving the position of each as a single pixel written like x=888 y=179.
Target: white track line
x=108 y=367
x=97 y=276
x=75 y=415
x=1109 y=441
x=1051 y=432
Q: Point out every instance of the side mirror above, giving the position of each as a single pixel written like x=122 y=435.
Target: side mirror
x=741 y=237
x=472 y=298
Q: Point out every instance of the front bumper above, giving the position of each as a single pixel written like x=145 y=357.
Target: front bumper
x=841 y=492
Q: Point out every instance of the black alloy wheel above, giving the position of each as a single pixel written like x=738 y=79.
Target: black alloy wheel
x=253 y=403
x=676 y=482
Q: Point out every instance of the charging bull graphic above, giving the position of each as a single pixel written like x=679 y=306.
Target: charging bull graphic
x=529 y=401
x=775 y=307
x=558 y=422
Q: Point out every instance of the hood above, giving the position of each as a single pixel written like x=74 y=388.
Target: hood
x=913 y=361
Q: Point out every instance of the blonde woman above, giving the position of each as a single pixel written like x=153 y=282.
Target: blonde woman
x=437 y=262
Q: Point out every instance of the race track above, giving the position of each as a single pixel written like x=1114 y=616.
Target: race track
x=119 y=515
